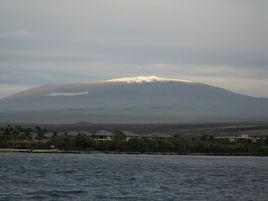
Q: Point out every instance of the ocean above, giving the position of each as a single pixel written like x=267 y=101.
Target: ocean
x=112 y=177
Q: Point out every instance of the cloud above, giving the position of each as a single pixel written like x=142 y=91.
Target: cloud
x=68 y=94
x=9 y=89
x=18 y=34
x=61 y=41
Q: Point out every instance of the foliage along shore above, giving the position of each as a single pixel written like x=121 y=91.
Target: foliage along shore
x=35 y=141
x=56 y=151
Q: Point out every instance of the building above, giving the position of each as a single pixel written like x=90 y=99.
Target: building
x=158 y=136
x=22 y=144
x=130 y=135
x=243 y=137
x=26 y=144
x=103 y=135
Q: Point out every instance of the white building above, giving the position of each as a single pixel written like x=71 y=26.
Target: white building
x=243 y=137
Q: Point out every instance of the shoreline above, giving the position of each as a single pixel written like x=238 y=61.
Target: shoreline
x=56 y=151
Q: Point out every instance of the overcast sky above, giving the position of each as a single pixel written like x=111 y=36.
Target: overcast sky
x=219 y=42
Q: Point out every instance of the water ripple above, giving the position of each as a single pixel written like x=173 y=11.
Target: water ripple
x=132 y=177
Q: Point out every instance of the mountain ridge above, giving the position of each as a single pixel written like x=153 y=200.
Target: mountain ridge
x=133 y=99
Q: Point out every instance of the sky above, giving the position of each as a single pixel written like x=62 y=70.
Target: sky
x=219 y=42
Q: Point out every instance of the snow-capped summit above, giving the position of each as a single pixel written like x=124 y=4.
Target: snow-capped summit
x=152 y=100
x=142 y=79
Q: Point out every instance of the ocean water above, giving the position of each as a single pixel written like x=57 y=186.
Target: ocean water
x=132 y=177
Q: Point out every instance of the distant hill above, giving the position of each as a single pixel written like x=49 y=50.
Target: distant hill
x=131 y=100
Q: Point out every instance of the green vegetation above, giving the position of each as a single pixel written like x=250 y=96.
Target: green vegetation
x=26 y=138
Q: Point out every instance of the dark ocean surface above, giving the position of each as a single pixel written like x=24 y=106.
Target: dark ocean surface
x=132 y=177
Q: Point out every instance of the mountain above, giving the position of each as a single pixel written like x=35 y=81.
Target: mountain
x=139 y=99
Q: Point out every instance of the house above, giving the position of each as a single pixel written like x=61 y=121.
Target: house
x=103 y=135
x=163 y=136
x=23 y=144
x=130 y=135
x=158 y=136
x=243 y=137
x=26 y=144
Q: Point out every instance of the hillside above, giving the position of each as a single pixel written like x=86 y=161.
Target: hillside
x=131 y=100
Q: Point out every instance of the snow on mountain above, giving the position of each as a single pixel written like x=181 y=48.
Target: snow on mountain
x=144 y=79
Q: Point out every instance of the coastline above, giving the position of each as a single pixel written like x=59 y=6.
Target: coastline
x=57 y=151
